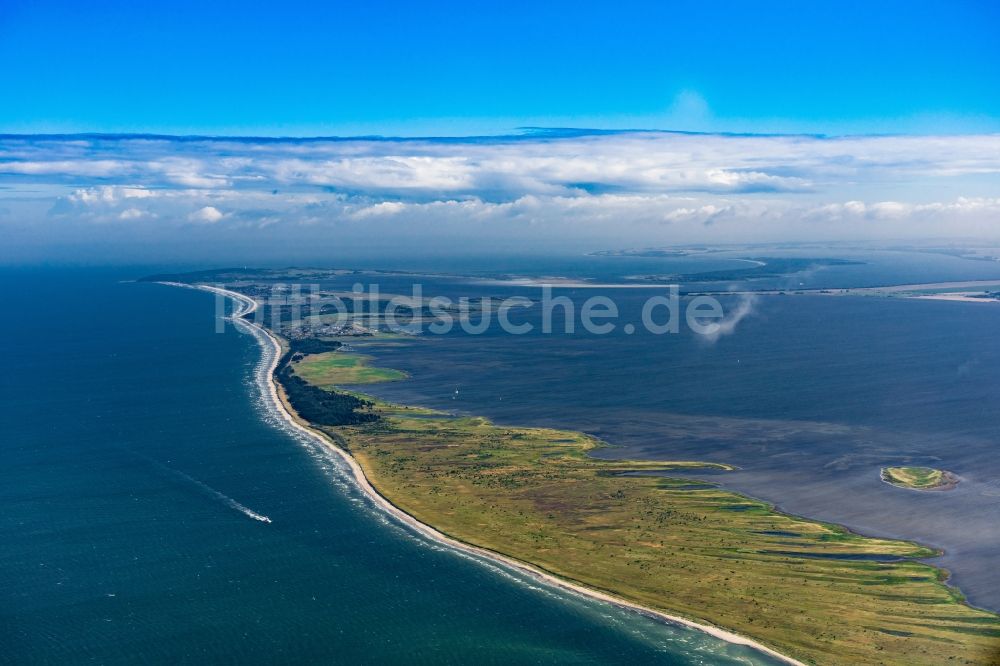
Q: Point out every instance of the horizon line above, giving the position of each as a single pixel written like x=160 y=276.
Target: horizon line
x=526 y=132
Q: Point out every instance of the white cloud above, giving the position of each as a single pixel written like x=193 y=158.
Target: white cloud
x=131 y=214
x=97 y=168
x=689 y=187
x=509 y=168
x=189 y=172
x=109 y=194
x=379 y=209
x=206 y=215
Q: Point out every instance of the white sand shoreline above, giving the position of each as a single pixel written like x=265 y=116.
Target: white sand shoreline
x=264 y=337
x=956 y=297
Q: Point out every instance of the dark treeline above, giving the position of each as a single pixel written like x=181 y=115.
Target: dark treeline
x=319 y=406
x=311 y=346
x=323 y=407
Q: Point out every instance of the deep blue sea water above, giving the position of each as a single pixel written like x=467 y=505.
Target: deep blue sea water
x=132 y=435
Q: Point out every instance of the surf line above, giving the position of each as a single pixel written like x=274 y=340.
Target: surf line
x=268 y=342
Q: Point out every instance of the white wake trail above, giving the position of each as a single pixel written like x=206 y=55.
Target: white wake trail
x=225 y=499
x=207 y=489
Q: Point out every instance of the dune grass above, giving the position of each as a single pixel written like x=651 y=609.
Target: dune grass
x=330 y=369
x=809 y=589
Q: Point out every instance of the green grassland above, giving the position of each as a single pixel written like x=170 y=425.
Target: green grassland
x=918 y=478
x=330 y=369
x=809 y=589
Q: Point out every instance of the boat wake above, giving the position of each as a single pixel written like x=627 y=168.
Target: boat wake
x=227 y=500
x=212 y=492
x=204 y=487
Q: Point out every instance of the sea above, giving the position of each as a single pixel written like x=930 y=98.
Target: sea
x=153 y=511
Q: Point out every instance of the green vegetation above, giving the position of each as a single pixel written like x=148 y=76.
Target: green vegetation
x=305 y=346
x=331 y=369
x=330 y=408
x=317 y=405
x=919 y=478
x=812 y=590
x=809 y=589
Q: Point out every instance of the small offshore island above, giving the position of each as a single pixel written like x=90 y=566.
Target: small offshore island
x=919 y=478
x=534 y=498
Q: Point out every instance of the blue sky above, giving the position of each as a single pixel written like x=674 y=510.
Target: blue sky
x=456 y=68
x=887 y=122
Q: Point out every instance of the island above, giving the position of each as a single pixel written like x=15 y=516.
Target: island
x=802 y=590
x=919 y=478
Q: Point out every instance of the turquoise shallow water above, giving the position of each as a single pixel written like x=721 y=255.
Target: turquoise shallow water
x=134 y=448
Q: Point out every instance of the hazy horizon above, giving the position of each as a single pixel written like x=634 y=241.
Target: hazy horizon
x=94 y=198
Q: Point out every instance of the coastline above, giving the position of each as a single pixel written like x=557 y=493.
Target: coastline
x=950 y=481
x=956 y=297
x=913 y=291
x=270 y=389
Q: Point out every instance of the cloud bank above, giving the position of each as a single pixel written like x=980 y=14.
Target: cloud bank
x=585 y=189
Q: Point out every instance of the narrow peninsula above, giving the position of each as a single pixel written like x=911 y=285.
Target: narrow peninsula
x=534 y=498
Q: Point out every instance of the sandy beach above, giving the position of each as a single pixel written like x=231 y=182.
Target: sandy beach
x=958 y=296
x=964 y=291
x=271 y=390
